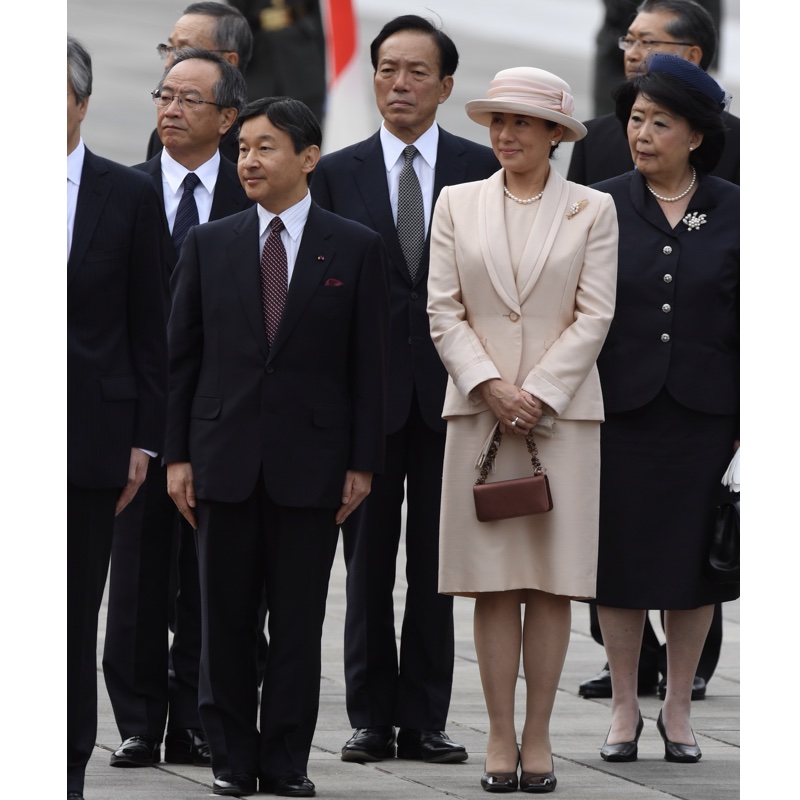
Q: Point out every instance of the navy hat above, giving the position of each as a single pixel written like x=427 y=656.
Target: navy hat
x=690 y=74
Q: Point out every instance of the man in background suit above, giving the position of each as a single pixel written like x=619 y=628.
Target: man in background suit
x=197 y=101
x=116 y=381
x=414 y=64
x=274 y=430
x=685 y=29
x=223 y=30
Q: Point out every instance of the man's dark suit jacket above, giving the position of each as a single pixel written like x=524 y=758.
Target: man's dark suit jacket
x=305 y=410
x=228 y=144
x=604 y=152
x=116 y=350
x=352 y=182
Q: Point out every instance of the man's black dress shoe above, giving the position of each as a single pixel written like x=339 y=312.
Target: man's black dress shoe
x=623 y=751
x=435 y=747
x=675 y=751
x=138 y=751
x=600 y=684
x=234 y=785
x=291 y=786
x=187 y=746
x=370 y=744
x=74 y=795
x=698 y=688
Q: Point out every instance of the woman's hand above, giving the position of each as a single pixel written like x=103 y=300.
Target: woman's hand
x=518 y=411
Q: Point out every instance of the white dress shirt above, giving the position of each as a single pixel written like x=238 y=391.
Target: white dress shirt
x=424 y=166
x=74 y=170
x=172 y=175
x=294 y=221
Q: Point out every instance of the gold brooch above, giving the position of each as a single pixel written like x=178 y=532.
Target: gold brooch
x=576 y=208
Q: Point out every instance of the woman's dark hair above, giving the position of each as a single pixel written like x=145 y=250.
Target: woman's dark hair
x=701 y=113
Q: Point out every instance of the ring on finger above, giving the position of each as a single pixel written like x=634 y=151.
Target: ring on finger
x=514 y=422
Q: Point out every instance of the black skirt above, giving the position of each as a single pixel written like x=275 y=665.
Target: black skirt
x=661 y=467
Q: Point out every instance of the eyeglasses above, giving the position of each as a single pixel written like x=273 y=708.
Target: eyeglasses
x=165 y=50
x=187 y=103
x=646 y=44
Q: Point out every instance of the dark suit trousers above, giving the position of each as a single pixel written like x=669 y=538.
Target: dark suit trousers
x=151 y=541
x=653 y=655
x=242 y=547
x=414 y=692
x=90 y=527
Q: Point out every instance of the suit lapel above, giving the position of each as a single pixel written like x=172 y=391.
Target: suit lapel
x=494 y=241
x=314 y=258
x=229 y=196
x=243 y=264
x=92 y=195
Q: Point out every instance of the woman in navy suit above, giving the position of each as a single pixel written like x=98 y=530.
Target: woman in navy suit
x=669 y=371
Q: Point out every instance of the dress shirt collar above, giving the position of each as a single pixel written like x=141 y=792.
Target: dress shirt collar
x=75 y=163
x=392 y=147
x=293 y=218
x=174 y=173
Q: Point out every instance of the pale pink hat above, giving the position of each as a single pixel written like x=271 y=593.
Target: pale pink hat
x=532 y=92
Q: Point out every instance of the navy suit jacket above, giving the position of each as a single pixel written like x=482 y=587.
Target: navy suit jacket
x=303 y=411
x=116 y=344
x=352 y=182
x=604 y=152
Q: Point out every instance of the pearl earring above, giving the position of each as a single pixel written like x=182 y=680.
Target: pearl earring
x=553 y=143
x=691 y=148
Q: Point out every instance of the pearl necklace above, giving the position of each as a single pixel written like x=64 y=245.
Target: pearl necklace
x=520 y=200
x=677 y=197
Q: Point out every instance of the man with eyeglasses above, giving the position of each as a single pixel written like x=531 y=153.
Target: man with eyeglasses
x=217 y=27
x=679 y=27
x=197 y=100
x=685 y=29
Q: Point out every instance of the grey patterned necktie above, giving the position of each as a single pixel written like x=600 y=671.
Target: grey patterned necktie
x=187 y=212
x=410 y=213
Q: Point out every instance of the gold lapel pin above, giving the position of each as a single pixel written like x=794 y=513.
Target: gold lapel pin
x=576 y=208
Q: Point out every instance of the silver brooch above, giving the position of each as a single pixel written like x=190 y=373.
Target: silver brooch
x=694 y=221
x=576 y=208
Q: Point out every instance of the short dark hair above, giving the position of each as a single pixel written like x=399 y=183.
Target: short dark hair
x=232 y=30
x=230 y=91
x=289 y=115
x=701 y=113
x=448 y=54
x=691 y=23
x=79 y=69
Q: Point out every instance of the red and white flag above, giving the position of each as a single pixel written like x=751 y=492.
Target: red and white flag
x=350 y=106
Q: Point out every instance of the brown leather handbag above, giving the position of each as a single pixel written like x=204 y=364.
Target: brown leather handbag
x=520 y=497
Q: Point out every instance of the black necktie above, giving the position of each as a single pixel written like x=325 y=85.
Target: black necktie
x=187 y=212
x=410 y=213
x=274 y=278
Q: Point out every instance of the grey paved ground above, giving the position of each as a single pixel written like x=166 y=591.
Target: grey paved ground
x=122 y=34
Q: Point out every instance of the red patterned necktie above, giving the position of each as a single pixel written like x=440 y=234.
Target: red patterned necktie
x=274 y=278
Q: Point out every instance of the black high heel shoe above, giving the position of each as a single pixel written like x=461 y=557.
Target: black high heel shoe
x=500 y=781
x=675 y=751
x=537 y=782
x=623 y=751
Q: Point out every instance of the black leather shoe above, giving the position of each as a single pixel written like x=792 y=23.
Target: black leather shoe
x=623 y=751
x=370 y=744
x=435 y=747
x=291 y=786
x=138 y=751
x=187 y=746
x=600 y=684
x=74 y=795
x=698 y=688
x=234 y=785
x=500 y=781
x=537 y=782
x=674 y=751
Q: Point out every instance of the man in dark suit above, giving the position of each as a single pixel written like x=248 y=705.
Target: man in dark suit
x=680 y=27
x=198 y=99
x=211 y=26
x=274 y=430
x=116 y=381
x=685 y=29
x=414 y=64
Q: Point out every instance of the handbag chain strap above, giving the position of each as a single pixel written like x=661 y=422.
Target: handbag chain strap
x=488 y=462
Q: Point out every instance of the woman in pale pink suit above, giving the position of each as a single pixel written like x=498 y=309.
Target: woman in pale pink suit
x=521 y=294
